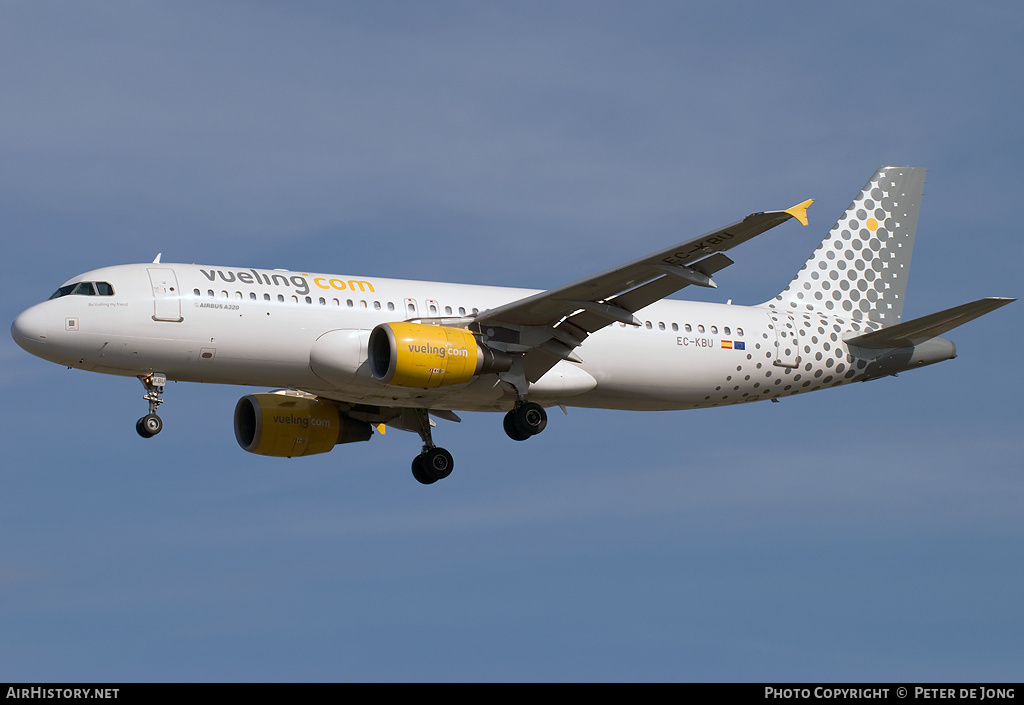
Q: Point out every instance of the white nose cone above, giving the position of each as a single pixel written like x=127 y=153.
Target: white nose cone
x=29 y=329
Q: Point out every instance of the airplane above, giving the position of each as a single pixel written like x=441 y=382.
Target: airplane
x=347 y=355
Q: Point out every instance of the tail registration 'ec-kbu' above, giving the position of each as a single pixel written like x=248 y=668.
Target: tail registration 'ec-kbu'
x=350 y=354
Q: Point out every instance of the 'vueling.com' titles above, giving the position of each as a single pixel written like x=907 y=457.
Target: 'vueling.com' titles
x=299 y=281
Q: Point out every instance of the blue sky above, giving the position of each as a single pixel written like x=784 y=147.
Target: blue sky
x=873 y=532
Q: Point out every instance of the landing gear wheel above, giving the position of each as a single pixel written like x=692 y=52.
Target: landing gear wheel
x=419 y=473
x=525 y=420
x=438 y=462
x=510 y=428
x=149 y=425
x=432 y=465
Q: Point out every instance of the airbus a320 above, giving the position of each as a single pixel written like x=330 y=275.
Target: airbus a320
x=350 y=354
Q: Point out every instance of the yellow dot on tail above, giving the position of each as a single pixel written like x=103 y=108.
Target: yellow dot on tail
x=872 y=224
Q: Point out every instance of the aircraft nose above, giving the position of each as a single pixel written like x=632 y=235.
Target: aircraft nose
x=29 y=329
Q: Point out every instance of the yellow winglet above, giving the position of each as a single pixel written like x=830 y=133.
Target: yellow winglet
x=799 y=211
x=380 y=428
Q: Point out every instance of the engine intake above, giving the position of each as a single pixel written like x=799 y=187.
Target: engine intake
x=288 y=426
x=427 y=356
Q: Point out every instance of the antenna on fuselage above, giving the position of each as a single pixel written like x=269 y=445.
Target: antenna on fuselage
x=157 y=260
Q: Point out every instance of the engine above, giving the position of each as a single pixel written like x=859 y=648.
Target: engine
x=427 y=356
x=288 y=426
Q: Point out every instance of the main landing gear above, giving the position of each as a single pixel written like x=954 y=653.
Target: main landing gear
x=526 y=419
x=151 y=424
x=433 y=463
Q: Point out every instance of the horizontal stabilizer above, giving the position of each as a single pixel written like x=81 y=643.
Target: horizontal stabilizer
x=927 y=327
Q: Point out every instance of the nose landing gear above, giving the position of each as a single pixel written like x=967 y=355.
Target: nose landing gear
x=151 y=424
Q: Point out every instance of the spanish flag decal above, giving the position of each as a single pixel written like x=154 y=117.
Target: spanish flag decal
x=727 y=344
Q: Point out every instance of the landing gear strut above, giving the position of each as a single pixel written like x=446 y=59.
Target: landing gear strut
x=433 y=463
x=151 y=424
x=526 y=419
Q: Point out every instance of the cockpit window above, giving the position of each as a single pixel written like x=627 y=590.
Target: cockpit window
x=84 y=289
x=63 y=291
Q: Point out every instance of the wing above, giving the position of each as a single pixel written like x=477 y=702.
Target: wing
x=548 y=326
x=921 y=329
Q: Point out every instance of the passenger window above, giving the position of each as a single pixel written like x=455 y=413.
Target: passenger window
x=323 y=301
x=376 y=305
x=238 y=296
x=209 y=292
x=689 y=329
x=309 y=299
x=739 y=332
x=661 y=325
x=647 y=324
x=195 y=292
x=280 y=298
x=727 y=330
x=714 y=330
x=391 y=306
x=349 y=303
x=252 y=295
x=675 y=326
x=266 y=297
x=447 y=310
x=433 y=310
x=700 y=329
x=462 y=310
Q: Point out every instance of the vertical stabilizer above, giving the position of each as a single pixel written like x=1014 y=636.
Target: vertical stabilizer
x=860 y=269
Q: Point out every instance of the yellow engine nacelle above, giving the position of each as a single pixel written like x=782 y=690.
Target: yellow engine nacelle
x=289 y=426
x=426 y=356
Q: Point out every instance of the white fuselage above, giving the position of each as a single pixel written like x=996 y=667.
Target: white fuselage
x=251 y=327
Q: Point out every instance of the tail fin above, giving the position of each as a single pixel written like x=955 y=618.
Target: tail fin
x=860 y=269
